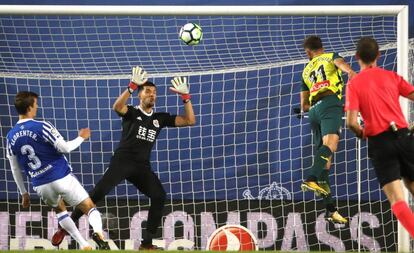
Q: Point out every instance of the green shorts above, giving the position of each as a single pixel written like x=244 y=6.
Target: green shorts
x=326 y=118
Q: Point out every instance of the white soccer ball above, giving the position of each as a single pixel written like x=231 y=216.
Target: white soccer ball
x=191 y=34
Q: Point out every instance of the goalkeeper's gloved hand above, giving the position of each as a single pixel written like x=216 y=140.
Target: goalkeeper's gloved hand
x=139 y=77
x=298 y=112
x=180 y=86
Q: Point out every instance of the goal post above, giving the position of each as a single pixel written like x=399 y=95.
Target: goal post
x=220 y=10
x=244 y=161
x=402 y=69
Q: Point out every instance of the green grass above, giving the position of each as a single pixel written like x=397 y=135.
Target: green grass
x=97 y=251
x=106 y=251
x=92 y=251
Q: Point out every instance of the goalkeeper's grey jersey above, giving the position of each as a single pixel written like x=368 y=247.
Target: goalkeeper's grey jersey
x=140 y=130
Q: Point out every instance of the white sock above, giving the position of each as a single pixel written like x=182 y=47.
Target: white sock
x=67 y=224
x=95 y=220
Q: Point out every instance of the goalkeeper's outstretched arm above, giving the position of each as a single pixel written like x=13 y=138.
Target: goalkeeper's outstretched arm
x=138 y=78
x=180 y=87
x=188 y=119
x=120 y=106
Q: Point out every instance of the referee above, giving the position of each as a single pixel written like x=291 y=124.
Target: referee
x=375 y=93
x=131 y=160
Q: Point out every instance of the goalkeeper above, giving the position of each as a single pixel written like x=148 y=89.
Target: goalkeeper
x=321 y=95
x=131 y=160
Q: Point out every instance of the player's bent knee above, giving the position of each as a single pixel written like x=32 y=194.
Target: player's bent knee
x=331 y=141
x=393 y=191
x=60 y=207
x=332 y=146
x=86 y=205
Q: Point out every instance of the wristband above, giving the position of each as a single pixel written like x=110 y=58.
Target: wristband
x=132 y=87
x=185 y=97
x=185 y=101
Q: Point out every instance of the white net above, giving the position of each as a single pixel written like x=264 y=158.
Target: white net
x=244 y=160
x=110 y=45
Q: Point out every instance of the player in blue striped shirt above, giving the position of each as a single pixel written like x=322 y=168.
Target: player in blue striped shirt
x=37 y=147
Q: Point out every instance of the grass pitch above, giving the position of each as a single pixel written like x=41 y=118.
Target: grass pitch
x=137 y=251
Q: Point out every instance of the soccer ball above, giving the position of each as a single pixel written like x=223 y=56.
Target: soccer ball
x=232 y=238
x=191 y=34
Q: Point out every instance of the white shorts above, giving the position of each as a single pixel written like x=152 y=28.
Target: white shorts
x=67 y=188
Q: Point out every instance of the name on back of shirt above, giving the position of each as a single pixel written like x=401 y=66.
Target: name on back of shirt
x=23 y=133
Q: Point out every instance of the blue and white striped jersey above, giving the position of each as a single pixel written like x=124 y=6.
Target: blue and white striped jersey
x=34 y=144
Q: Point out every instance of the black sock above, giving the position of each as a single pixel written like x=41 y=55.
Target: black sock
x=330 y=206
x=147 y=238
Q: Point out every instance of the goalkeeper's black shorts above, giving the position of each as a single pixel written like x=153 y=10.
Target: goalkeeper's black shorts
x=391 y=154
x=124 y=166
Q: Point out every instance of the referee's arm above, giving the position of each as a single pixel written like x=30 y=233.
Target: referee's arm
x=352 y=123
x=411 y=96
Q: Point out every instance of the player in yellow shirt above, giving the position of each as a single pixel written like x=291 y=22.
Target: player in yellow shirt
x=321 y=96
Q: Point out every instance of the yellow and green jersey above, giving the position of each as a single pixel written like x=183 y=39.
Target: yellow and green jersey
x=321 y=74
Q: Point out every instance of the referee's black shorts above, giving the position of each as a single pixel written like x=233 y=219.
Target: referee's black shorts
x=392 y=154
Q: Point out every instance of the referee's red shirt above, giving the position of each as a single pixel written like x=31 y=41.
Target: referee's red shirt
x=375 y=93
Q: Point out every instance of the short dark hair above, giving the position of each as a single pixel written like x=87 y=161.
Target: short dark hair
x=147 y=83
x=24 y=100
x=313 y=43
x=367 y=49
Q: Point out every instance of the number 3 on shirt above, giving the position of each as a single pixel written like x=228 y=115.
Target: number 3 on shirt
x=31 y=155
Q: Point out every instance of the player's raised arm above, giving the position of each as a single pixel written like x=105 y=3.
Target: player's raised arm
x=139 y=77
x=180 y=87
x=52 y=135
x=68 y=146
x=342 y=65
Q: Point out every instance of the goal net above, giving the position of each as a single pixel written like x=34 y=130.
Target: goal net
x=242 y=163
